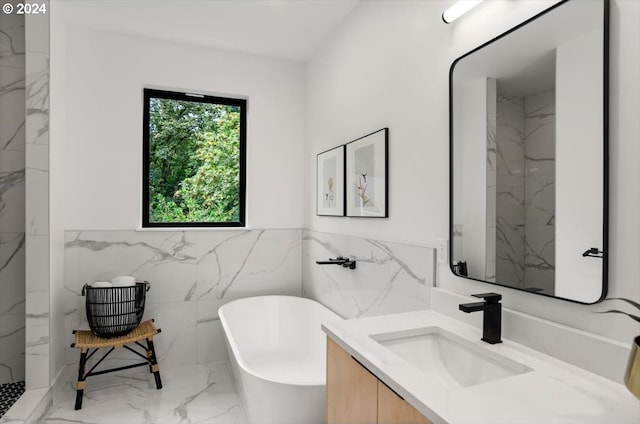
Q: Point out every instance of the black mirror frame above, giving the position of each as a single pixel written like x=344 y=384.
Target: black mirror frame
x=605 y=155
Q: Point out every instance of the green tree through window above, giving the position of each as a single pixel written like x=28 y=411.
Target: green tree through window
x=194 y=160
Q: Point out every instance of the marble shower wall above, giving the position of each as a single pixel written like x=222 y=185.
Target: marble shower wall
x=389 y=277
x=192 y=274
x=525 y=191
x=12 y=198
x=510 y=217
x=540 y=202
x=38 y=324
x=492 y=169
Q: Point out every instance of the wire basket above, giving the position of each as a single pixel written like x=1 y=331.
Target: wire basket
x=114 y=311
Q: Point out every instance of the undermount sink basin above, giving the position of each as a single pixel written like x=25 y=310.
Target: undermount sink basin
x=456 y=362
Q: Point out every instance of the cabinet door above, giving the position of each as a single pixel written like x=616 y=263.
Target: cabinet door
x=392 y=409
x=352 y=391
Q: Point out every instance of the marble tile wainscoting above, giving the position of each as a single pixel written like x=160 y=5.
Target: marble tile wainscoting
x=192 y=274
x=389 y=277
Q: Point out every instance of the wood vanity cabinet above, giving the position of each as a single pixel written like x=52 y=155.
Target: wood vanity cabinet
x=355 y=396
x=352 y=391
x=392 y=409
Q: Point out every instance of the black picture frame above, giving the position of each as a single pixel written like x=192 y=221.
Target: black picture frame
x=367 y=175
x=330 y=182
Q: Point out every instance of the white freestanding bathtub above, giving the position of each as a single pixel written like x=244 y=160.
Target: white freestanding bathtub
x=277 y=351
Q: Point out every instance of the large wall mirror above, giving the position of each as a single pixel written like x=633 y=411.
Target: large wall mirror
x=528 y=167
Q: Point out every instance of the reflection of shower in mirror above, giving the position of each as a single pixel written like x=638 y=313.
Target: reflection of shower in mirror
x=524 y=202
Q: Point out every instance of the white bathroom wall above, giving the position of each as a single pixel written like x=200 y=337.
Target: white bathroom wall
x=388 y=65
x=96 y=160
x=574 y=70
x=472 y=173
x=103 y=105
x=367 y=77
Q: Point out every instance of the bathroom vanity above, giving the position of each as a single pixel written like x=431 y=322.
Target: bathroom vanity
x=424 y=367
x=355 y=395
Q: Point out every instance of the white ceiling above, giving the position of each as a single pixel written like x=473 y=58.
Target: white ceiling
x=287 y=29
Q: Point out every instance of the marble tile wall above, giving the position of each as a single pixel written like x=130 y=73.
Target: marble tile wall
x=492 y=168
x=525 y=191
x=37 y=351
x=12 y=198
x=192 y=274
x=389 y=277
x=510 y=190
x=539 y=202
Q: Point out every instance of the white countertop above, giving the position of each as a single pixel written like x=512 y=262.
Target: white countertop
x=553 y=392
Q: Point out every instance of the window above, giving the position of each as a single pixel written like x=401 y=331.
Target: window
x=193 y=160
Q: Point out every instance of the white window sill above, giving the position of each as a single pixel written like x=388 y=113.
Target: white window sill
x=191 y=229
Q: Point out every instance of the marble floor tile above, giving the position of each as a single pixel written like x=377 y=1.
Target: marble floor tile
x=190 y=394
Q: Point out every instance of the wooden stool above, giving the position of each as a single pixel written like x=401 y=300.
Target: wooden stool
x=85 y=341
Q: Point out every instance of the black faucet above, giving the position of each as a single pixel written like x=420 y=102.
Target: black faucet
x=344 y=262
x=492 y=320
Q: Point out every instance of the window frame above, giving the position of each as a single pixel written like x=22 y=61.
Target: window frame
x=148 y=94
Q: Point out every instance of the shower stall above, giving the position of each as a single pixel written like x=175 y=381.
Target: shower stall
x=12 y=208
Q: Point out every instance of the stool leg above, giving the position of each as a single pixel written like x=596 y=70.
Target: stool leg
x=153 y=361
x=149 y=359
x=81 y=378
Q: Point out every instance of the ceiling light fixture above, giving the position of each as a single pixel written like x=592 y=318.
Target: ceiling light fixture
x=458 y=9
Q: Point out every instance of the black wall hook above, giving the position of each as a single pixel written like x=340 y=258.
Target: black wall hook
x=346 y=263
x=593 y=252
